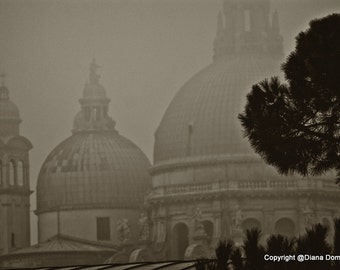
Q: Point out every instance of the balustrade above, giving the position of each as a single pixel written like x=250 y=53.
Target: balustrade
x=244 y=185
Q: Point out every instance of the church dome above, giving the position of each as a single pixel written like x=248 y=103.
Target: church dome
x=96 y=167
x=202 y=118
x=94 y=170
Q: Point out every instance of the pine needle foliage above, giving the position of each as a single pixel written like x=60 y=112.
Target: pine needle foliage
x=295 y=125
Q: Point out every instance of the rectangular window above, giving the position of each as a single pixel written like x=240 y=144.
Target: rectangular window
x=103 y=228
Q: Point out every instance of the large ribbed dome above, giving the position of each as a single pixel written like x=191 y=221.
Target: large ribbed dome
x=90 y=170
x=202 y=118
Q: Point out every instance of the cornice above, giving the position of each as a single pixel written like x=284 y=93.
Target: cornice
x=186 y=162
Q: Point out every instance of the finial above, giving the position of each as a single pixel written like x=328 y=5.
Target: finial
x=3 y=76
x=94 y=77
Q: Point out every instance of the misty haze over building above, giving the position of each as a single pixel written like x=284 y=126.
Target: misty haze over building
x=152 y=157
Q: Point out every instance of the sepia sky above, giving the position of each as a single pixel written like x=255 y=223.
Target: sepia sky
x=147 y=49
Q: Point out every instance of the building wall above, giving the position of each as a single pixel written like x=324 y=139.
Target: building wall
x=83 y=223
x=257 y=195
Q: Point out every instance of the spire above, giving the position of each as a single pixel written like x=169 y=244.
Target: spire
x=94 y=77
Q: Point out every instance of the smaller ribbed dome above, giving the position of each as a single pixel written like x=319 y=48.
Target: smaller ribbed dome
x=88 y=170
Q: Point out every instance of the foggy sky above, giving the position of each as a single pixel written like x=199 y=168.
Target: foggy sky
x=147 y=50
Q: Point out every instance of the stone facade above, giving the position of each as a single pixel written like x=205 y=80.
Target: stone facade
x=231 y=205
x=14 y=178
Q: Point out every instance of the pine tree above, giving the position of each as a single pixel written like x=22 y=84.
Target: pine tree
x=253 y=251
x=295 y=125
x=279 y=245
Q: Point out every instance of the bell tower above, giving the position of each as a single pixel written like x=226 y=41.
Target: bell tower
x=14 y=178
x=247 y=27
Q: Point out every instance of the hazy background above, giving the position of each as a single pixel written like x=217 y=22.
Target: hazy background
x=147 y=50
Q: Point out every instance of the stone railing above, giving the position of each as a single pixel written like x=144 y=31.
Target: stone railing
x=188 y=188
x=283 y=184
x=269 y=185
x=252 y=184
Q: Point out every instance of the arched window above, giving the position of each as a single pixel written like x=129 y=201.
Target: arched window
x=95 y=114
x=20 y=173
x=285 y=226
x=180 y=241
x=1 y=176
x=11 y=172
